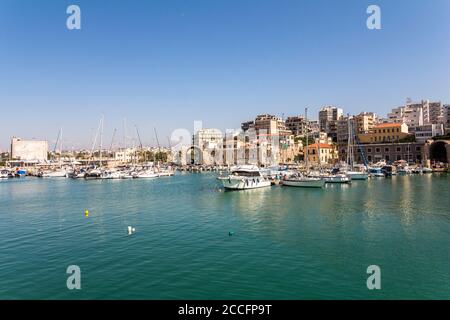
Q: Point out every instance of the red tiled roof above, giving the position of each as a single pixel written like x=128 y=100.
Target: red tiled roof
x=322 y=145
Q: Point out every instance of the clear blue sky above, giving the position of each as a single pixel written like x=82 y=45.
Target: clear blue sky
x=166 y=63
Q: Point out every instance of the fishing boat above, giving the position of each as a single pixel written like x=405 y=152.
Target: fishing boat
x=245 y=177
x=20 y=173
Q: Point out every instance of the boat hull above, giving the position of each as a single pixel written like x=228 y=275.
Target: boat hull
x=357 y=175
x=246 y=184
x=319 y=183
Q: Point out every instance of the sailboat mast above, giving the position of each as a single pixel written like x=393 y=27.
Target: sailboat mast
x=60 y=146
x=101 y=139
x=307 y=155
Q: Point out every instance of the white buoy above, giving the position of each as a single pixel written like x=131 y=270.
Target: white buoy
x=131 y=230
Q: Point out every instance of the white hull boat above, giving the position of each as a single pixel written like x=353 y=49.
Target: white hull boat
x=146 y=175
x=244 y=178
x=304 y=182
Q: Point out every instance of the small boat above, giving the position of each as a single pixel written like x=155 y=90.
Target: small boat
x=20 y=173
x=93 y=174
x=245 y=177
x=53 y=174
x=376 y=172
x=147 y=174
x=4 y=174
x=303 y=181
x=111 y=175
x=357 y=175
x=427 y=170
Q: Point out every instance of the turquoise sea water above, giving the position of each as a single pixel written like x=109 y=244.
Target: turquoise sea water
x=288 y=243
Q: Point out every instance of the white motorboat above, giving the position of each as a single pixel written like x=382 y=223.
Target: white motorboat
x=55 y=174
x=336 y=178
x=357 y=175
x=111 y=175
x=165 y=173
x=245 y=177
x=147 y=174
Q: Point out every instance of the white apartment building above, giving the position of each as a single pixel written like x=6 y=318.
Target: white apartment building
x=428 y=131
x=418 y=113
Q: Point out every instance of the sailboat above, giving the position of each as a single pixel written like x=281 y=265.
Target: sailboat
x=350 y=172
x=305 y=181
x=94 y=172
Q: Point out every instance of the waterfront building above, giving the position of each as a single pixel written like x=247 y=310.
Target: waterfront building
x=427 y=131
x=29 y=150
x=385 y=132
x=322 y=153
x=328 y=117
x=412 y=152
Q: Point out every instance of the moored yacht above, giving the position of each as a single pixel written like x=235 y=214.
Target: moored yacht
x=245 y=177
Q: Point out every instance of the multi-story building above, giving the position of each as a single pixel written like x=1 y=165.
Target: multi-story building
x=418 y=113
x=411 y=115
x=208 y=143
x=385 y=132
x=323 y=152
x=29 y=150
x=433 y=113
x=365 y=122
x=296 y=124
x=328 y=117
x=412 y=152
x=428 y=131
x=447 y=118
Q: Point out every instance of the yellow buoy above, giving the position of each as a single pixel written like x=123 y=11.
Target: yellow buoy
x=86 y=213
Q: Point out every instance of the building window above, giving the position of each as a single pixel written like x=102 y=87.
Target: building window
x=386 y=157
x=369 y=149
x=377 y=149
x=399 y=149
x=399 y=157
x=386 y=149
x=417 y=148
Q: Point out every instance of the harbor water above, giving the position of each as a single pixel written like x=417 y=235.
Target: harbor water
x=192 y=240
